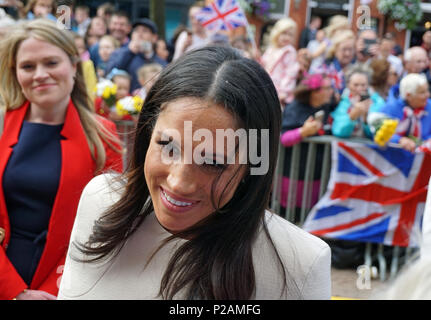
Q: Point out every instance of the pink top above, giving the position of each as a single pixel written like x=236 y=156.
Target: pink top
x=291 y=137
x=282 y=66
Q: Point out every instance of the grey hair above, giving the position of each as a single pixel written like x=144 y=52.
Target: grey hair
x=410 y=84
x=410 y=51
x=358 y=69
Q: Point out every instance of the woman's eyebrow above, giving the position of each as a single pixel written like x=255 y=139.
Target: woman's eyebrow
x=43 y=59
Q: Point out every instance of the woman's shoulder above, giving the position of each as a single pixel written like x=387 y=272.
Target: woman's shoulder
x=98 y=195
x=103 y=185
x=306 y=262
x=284 y=233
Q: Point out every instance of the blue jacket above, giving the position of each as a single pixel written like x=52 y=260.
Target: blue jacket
x=343 y=126
x=394 y=109
x=126 y=60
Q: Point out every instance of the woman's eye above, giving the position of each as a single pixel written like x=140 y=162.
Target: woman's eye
x=169 y=148
x=164 y=142
x=52 y=63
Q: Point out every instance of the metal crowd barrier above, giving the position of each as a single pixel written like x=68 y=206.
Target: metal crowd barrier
x=289 y=212
x=125 y=130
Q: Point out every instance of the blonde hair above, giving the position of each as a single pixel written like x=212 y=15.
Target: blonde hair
x=147 y=69
x=337 y=23
x=10 y=90
x=340 y=37
x=279 y=27
x=114 y=41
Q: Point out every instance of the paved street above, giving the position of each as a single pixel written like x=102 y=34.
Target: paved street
x=344 y=285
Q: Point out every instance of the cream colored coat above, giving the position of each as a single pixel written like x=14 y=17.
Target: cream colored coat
x=306 y=258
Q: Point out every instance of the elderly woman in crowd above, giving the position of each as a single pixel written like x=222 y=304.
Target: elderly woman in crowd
x=413 y=110
x=350 y=116
x=340 y=57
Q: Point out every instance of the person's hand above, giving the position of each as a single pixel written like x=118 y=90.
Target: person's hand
x=374 y=50
x=310 y=127
x=35 y=295
x=359 y=109
x=135 y=46
x=407 y=144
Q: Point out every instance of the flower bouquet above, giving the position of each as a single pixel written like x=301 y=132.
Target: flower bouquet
x=382 y=127
x=129 y=106
x=107 y=91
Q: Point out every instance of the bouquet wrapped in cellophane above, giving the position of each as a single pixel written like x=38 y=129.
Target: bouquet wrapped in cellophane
x=129 y=106
x=382 y=127
x=107 y=90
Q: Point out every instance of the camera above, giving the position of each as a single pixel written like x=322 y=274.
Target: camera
x=146 y=47
x=364 y=96
x=368 y=43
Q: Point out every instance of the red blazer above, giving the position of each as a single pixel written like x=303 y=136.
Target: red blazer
x=76 y=171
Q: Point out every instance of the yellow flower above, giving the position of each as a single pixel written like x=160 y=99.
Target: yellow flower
x=121 y=111
x=114 y=90
x=106 y=93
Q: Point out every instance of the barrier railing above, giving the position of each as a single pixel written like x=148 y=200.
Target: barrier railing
x=125 y=130
x=289 y=211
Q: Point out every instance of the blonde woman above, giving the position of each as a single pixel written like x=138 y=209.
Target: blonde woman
x=339 y=58
x=279 y=60
x=52 y=144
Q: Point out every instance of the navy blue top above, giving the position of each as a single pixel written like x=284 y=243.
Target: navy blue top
x=30 y=183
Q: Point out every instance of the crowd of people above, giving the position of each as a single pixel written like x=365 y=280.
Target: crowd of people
x=199 y=230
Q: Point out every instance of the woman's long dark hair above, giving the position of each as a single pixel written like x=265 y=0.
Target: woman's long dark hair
x=216 y=263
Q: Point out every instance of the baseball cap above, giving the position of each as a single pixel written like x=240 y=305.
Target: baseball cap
x=146 y=23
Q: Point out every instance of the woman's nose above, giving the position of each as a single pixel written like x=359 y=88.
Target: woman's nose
x=40 y=73
x=182 y=180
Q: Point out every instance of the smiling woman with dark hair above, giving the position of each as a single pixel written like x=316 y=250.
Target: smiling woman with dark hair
x=186 y=222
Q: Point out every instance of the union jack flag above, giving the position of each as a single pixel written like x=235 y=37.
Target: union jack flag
x=222 y=15
x=374 y=195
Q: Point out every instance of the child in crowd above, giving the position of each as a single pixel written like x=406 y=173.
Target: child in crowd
x=40 y=9
x=147 y=76
x=87 y=65
x=279 y=60
x=82 y=17
x=107 y=45
x=123 y=81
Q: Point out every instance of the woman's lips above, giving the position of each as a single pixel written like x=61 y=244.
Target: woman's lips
x=43 y=86
x=175 y=203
